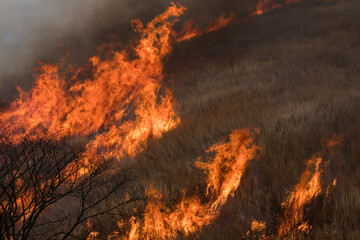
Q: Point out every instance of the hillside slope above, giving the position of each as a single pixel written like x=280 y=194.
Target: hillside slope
x=294 y=74
x=251 y=131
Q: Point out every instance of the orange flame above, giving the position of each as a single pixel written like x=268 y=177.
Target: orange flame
x=227 y=167
x=309 y=187
x=257 y=226
x=189 y=31
x=92 y=234
x=105 y=101
x=190 y=215
x=39 y=109
x=264 y=6
x=24 y=205
x=304 y=192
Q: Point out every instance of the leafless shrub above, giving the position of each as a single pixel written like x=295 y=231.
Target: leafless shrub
x=38 y=175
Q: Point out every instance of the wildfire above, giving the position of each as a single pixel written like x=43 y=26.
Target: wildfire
x=22 y=205
x=92 y=234
x=263 y=6
x=122 y=102
x=120 y=98
x=257 y=226
x=311 y=185
x=190 y=215
x=189 y=31
x=104 y=102
x=304 y=192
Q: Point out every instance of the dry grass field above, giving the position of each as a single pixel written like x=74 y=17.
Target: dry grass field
x=291 y=75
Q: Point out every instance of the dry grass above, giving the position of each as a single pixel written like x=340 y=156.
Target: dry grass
x=294 y=74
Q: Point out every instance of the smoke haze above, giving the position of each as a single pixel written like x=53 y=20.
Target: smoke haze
x=42 y=30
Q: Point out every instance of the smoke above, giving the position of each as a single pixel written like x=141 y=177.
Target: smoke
x=42 y=30
x=33 y=30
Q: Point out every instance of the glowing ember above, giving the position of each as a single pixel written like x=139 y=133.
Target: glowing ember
x=92 y=234
x=264 y=6
x=257 y=226
x=334 y=141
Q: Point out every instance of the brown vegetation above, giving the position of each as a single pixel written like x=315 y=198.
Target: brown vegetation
x=292 y=74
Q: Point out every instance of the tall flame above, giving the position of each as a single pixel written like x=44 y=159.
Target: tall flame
x=311 y=185
x=304 y=192
x=191 y=214
x=104 y=103
x=121 y=102
x=103 y=100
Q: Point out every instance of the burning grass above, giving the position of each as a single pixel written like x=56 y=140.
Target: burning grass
x=294 y=80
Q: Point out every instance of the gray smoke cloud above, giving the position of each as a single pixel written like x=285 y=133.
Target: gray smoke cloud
x=33 y=30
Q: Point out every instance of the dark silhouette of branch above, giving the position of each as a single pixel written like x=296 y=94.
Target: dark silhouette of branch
x=37 y=175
